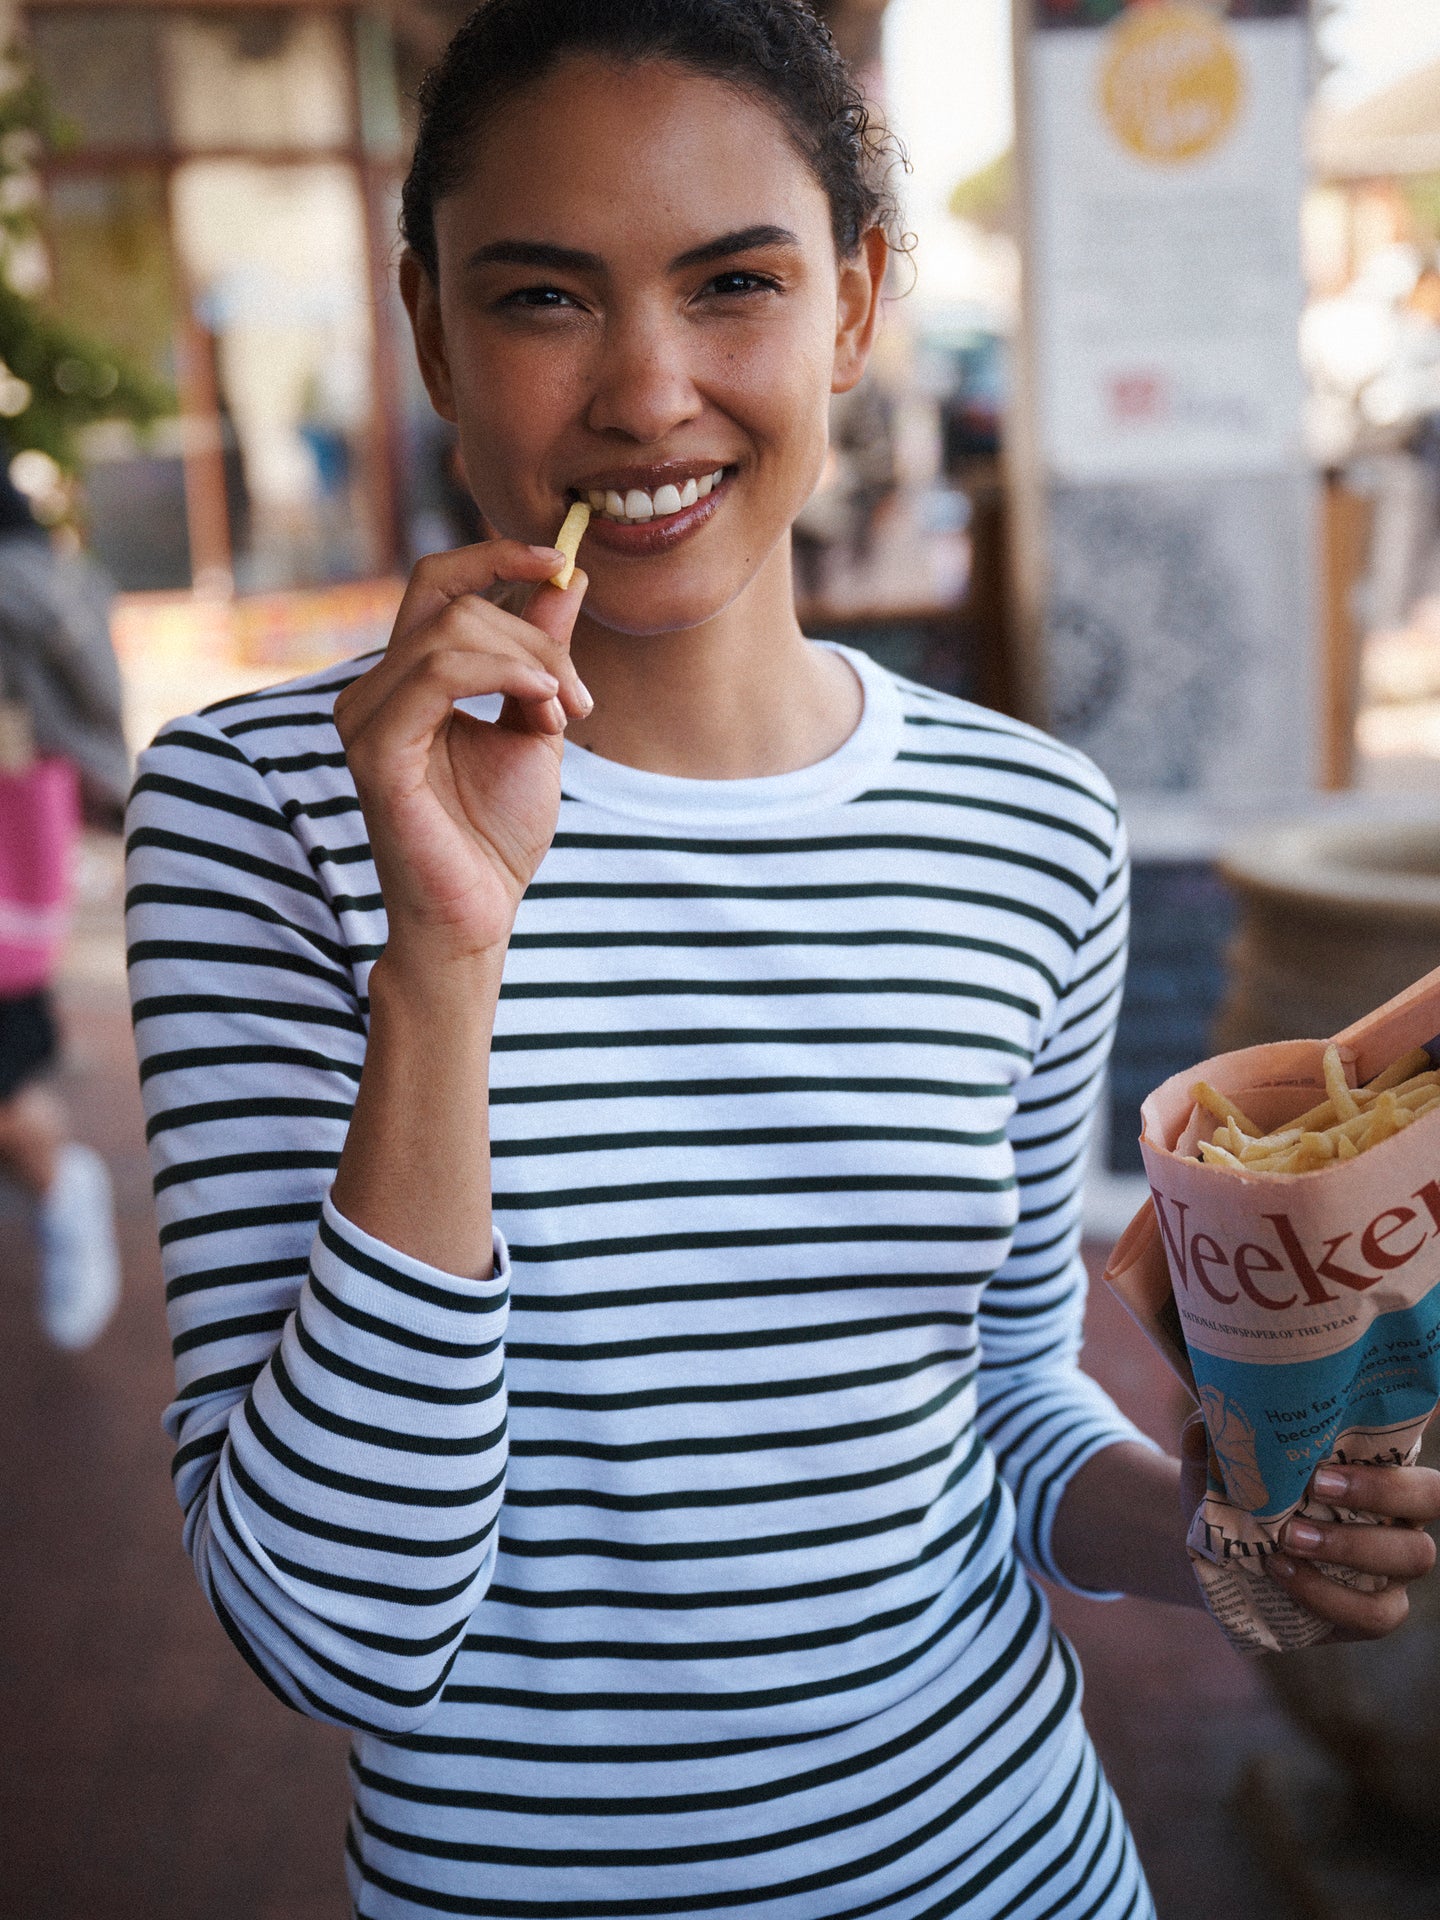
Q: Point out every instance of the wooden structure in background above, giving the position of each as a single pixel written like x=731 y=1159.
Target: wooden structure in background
x=1345 y=536
x=374 y=152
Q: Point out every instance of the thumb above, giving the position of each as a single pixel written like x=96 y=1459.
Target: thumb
x=1194 y=1462
x=1194 y=1441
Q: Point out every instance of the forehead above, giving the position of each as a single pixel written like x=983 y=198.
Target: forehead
x=598 y=155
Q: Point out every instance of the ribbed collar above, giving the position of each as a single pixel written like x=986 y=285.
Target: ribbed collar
x=830 y=782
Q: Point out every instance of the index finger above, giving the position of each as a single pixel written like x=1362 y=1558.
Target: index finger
x=1391 y=1493
x=441 y=578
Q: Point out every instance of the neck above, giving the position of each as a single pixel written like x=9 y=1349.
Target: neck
x=738 y=697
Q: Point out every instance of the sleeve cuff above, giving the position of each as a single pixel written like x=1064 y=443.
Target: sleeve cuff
x=429 y=1297
x=1116 y=1433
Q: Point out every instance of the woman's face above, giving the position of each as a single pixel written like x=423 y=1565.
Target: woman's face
x=639 y=303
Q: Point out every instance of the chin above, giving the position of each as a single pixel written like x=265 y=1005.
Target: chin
x=648 y=615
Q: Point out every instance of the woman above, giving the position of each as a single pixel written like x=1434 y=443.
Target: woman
x=764 y=1061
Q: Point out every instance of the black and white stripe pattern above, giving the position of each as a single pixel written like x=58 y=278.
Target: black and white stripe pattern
x=669 y=1571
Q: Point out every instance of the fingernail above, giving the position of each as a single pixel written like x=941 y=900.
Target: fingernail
x=1329 y=1484
x=548 y=553
x=586 y=696
x=1277 y=1563
x=1302 y=1535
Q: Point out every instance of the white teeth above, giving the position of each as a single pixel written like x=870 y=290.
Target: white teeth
x=637 y=506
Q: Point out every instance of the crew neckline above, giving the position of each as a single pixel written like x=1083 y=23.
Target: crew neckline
x=840 y=776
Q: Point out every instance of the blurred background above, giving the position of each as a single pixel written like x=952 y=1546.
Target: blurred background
x=1149 y=454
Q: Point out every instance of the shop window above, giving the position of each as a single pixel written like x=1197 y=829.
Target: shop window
x=113 y=275
x=111 y=269
x=275 y=257
x=190 y=225
x=103 y=75
x=264 y=80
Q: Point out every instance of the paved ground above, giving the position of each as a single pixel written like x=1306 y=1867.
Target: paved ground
x=150 y=1775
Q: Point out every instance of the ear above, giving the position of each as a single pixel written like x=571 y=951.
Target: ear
x=858 y=308
x=422 y=303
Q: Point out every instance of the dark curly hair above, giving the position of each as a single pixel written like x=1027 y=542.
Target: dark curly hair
x=775 y=50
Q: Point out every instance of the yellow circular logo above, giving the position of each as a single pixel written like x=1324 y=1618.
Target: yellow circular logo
x=1172 y=83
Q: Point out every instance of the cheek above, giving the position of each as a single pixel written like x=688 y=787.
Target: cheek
x=504 y=443
x=782 y=396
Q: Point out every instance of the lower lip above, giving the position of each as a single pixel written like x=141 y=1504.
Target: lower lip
x=647 y=537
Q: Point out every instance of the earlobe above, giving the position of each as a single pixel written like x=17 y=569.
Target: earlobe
x=422 y=303
x=862 y=278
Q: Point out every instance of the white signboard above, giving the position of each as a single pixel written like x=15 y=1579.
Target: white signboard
x=1165 y=173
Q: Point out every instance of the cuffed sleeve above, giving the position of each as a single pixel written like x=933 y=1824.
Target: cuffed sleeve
x=340 y=1414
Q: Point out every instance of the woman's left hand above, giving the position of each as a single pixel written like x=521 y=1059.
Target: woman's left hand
x=1408 y=1496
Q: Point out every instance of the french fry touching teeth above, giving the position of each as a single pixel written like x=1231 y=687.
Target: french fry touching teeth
x=572 y=532
x=1345 y=1123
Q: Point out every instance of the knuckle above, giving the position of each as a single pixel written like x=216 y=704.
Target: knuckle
x=440 y=664
x=456 y=620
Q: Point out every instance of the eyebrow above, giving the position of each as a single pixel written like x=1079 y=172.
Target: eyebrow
x=537 y=253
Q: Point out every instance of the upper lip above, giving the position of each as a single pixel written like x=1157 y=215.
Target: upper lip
x=655 y=474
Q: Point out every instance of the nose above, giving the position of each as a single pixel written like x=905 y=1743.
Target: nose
x=643 y=381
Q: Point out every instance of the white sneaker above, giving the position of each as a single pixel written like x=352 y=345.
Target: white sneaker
x=79 y=1260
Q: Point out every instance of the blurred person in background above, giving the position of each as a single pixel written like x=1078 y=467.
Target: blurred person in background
x=62 y=751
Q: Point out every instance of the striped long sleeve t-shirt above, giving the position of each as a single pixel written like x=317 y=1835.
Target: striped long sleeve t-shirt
x=678 y=1568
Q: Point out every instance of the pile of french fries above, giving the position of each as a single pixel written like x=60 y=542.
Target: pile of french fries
x=1346 y=1122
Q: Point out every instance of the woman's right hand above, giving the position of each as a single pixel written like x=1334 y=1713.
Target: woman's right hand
x=460 y=811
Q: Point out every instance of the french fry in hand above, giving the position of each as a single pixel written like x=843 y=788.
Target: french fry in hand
x=572 y=531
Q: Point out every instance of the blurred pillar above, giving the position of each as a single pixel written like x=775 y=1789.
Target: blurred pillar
x=1166 y=539
x=1348 y=518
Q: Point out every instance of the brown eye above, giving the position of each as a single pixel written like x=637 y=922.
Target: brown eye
x=537 y=297
x=742 y=282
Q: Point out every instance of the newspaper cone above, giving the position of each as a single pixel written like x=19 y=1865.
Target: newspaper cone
x=1302 y=1311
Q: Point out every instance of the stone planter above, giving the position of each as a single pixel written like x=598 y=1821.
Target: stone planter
x=1335 y=918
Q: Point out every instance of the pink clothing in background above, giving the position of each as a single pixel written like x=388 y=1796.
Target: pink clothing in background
x=39 y=826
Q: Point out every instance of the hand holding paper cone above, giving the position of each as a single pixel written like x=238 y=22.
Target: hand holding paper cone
x=1288 y=1266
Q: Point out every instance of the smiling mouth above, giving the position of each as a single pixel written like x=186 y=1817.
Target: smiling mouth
x=638 y=506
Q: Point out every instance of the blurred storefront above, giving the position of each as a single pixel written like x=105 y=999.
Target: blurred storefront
x=223 y=210
x=1372 y=347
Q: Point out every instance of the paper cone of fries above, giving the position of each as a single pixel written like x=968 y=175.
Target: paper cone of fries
x=1301 y=1309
